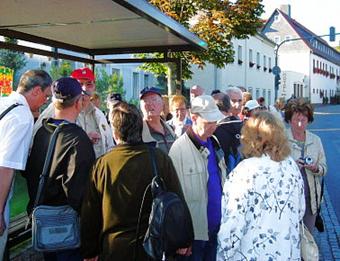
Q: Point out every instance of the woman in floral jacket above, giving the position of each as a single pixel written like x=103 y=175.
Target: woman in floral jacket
x=263 y=197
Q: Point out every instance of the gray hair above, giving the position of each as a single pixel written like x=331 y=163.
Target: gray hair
x=231 y=90
x=33 y=78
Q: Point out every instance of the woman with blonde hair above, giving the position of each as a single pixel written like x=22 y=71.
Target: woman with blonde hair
x=263 y=200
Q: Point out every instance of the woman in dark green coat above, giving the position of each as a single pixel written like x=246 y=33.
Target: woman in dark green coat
x=111 y=206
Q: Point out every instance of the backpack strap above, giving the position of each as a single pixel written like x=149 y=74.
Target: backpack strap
x=154 y=174
x=47 y=165
x=9 y=109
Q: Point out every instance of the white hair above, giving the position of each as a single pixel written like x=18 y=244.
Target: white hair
x=231 y=90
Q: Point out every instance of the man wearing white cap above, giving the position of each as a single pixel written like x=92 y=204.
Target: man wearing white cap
x=201 y=169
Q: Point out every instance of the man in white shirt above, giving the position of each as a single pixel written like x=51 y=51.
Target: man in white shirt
x=16 y=133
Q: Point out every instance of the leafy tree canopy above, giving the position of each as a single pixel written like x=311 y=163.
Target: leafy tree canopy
x=214 y=21
x=12 y=59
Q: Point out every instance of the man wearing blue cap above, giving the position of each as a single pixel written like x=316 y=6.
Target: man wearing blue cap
x=71 y=161
x=155 y=129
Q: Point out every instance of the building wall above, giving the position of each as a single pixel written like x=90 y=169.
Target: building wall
x=297 y=66
x=258 y=78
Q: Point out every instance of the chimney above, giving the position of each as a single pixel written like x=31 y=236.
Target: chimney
x=285 y=9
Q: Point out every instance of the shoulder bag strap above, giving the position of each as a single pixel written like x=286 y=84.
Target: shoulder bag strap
x=9 y=109
x=47 y=164
x=155 y=173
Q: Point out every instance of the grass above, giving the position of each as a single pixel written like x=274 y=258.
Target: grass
x=20 y=197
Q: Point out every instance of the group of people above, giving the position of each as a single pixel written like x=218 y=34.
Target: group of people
x=245 y=181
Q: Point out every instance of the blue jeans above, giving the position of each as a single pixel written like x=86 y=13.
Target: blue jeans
x=202 y=251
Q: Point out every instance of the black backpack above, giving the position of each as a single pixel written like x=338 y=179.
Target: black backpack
x=170 y=225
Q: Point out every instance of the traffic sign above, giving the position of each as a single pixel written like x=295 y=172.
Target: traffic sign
x=276 y=70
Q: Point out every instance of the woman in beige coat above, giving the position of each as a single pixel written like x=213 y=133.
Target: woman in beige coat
x=307 y=150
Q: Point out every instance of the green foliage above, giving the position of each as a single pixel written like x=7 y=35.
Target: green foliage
x=106 y=83
x=214 y=21
x=12 y=59
x=63 y=70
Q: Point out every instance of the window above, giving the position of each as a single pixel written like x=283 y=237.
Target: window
x=313 y=63
x=276 y=18
x=270 y=64
x=257 y=94
x=277 y=39
x=313 y=91
x=258 y=60
x=115 y=71
x=264 y=92
x=264 y=63
x=251 y=61
x=135 y=85
x=146 y=80
x=239 y=54
x=250 y=90
x=287 y=38
x=269 y=102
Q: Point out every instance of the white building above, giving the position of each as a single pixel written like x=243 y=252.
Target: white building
x=310 y=67
x=251 y=69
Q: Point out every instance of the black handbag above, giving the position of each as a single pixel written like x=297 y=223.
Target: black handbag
x=319 y=221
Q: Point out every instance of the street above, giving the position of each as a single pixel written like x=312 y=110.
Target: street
x=326 y=125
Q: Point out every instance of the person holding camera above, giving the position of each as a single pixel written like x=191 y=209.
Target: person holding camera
x=307 y=150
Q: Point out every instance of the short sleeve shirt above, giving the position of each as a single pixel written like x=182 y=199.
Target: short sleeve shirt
x=16 y=129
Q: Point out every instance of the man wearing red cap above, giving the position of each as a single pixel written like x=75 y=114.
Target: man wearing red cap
x=91 y=119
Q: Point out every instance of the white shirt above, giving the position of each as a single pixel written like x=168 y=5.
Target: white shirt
x=16 y=130
x=262 y=205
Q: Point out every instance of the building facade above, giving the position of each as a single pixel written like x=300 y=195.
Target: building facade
x=310 y=68
x=251 y=69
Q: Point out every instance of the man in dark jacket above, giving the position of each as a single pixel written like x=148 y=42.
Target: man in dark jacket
x=71 y=161
x=228 y=132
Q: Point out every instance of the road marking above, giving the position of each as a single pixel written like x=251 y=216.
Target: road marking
x=334 y=129
x=327 y=113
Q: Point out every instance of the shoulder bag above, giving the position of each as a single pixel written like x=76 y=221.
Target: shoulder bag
x=54 y=228
x=309 y=249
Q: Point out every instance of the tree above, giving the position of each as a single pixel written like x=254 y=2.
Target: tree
x=63 y=70
x=106 y=83
x=214 y=21
x=12 y=59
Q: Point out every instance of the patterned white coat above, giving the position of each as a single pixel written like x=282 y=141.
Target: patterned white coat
x=262 y=205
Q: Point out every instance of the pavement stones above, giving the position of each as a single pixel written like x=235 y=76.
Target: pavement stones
x=329 y=240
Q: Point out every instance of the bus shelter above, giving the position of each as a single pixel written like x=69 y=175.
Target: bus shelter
x=84 y=31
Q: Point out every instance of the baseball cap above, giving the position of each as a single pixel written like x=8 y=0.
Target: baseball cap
x=66 y=88
x=205 y=106
x=251 y=105
x=147 y=90
x=83 y=73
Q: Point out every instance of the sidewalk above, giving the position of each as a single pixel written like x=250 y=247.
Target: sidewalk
x=328 y=241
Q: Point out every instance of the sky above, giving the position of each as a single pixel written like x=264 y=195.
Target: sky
x=316 y=15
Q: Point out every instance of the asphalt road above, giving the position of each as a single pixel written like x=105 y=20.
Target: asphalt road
x=327 y=126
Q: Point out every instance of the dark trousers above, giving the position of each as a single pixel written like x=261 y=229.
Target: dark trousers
x=64 y=255
x=202 y=251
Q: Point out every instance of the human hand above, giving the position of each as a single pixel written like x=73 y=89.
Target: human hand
x=94 y=137
x=312 y=167
x=2 y=224
x=184 y=251
x=91 y=259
